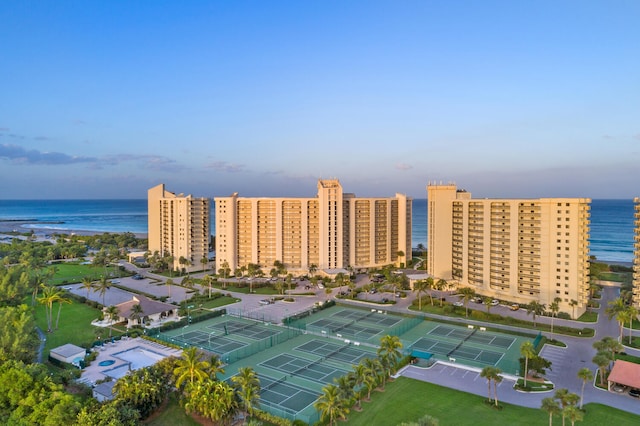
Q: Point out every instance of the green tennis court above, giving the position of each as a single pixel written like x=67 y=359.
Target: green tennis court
x=288 y=397
x=252 y=330
x=470 y=345
x=333 y=350
x=312 y=370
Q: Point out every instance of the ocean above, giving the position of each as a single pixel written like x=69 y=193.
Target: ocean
x=611 y=237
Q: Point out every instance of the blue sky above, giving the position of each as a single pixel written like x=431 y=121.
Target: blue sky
x=105 y=99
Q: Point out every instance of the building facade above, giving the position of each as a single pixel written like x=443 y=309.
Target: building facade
x=333 y=230
x=520 y=250
x=179 y=226
x=636 y=255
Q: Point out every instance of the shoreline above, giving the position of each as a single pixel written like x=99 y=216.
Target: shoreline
x=17 y=226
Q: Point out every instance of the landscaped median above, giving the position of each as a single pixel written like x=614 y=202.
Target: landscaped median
x=452 y=311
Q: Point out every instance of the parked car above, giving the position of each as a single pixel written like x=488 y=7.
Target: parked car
x=495 y=302
x=458 y=303
x=514 y=307
x=634 y=393
x=320 y=286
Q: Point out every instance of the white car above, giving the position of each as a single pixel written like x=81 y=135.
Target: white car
x=320 y=286
x=458 y=303
x=495 y=302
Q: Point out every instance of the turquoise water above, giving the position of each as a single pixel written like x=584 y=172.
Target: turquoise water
x=611 y=220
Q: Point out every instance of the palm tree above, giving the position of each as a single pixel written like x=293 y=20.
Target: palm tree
x=112 y=314
x=632 y=313
x=566 y=399
x=102 y=287
x=488 y=373
x=586 y=375
x=208 y=280
x=573 y=305
x=573 y=413
x=527 y=351
x=359 y=373
x=136 y=313
x=487 y=301
x=87 y=283
x=345 y=386
x=247 y=387
x=169 y=283
x=390 y=350
x=372 y=379
x=420 y=287
x=205 y=262
x=497 y=378
x=602 y=360
x=536 y=309
x=554 y=307
x=49 y=296
x=618 y=309
x=61 y=300
x=329 y=404
x=313 y=268
x=441 y=285
x=610 y=345
x=467 y=294
x=190 y=367
x=216 y=366
x=551 y=406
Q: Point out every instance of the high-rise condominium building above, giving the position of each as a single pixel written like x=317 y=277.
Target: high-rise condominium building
x=179 y=226
x=636 y=257
x=330 y=231
x=520 y=250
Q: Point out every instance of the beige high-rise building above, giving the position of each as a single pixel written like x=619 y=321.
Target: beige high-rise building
x=179 y=226
x=520 y=250
x=636 y=253
x=331 y=231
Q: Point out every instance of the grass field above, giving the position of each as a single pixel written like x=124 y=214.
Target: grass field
x=406 y=400
x=74 y=327
x=67 y=273
x=172 y=414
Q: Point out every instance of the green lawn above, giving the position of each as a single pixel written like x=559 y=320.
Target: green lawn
x=172 y=414
x=589 y=316
x=621 y=277
x=406 y=400
x=74 y=327
x=67 y=273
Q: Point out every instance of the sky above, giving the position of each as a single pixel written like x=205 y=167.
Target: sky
x=106 y=99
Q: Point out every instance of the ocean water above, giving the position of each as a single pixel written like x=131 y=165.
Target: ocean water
x=611 y=235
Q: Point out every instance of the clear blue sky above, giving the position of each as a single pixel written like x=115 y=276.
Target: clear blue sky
x=105 y=99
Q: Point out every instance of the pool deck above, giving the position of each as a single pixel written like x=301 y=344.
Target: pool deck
x=94 y=372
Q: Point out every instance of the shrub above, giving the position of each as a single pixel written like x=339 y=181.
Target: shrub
x=478 y=315
x=563 y=315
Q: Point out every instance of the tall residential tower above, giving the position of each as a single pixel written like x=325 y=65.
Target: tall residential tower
x=520 y=250
x=636 y=253
x=333 y=230
x=179 y=226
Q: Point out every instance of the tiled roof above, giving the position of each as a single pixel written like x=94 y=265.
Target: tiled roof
x=149 y=307
x=625 y=373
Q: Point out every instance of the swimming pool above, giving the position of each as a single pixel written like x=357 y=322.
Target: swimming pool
x=139 y=357
x=106 y=363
